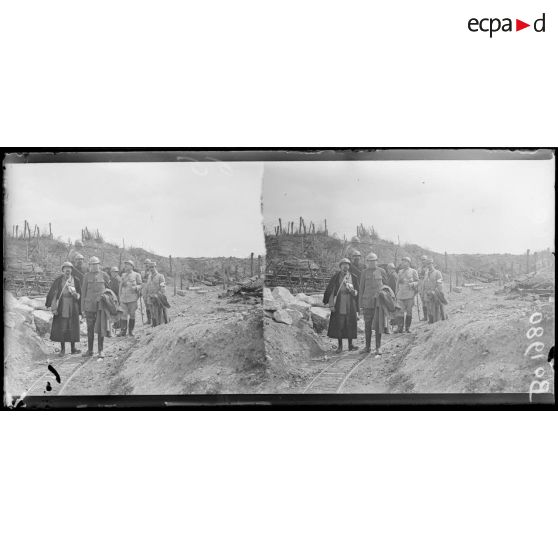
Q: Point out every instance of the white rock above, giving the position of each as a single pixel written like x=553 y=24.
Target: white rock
x=315 y=300
x=271 y=305
x=267 y=292
x=35 y=303
x=300 y=306
x=295 y=315
x=13 y=320
x=283 y=317
x=283 y=296
x=14 y=305
x=320 y=318
x=43 y=321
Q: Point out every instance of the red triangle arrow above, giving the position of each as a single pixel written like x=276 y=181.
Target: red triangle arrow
x=519 y=25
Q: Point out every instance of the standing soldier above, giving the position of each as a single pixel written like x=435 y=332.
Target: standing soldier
x=78 y=270
x=154 y=293
x=433 y=290
x=392 y=284
x=144 y=277
x=95 y=282
x=341 y=295
x=74 y=251
x=130 y=291
x=356 y=268
x=373 y=278
x=407 y=285
x=114 y=286
x=421 y=274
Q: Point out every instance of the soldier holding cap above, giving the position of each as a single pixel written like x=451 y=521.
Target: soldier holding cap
x=130 y=291
x=95 y=282
x=407 y=285
x=63 y=299
x=341 y=295
x=373 y=278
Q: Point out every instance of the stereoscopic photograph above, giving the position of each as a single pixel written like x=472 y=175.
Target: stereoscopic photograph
x=279 y=273
x=132 y=278
x=418 y=272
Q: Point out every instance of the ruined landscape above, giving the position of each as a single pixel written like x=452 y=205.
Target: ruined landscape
x=213 y=342
x=480 y=348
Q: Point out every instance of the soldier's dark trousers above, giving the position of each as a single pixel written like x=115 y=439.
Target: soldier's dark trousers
x=90 y=320
x=148 y=312
x=408 y=320
x=371 y=321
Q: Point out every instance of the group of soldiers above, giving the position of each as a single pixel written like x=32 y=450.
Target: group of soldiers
x=380 y=294
x=106 y=297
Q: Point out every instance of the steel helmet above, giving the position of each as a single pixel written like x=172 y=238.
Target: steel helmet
x=406 y=258
x=78 y=243
x=114 y=268
x=78 y=256
x=67 y=264
x=344 y=260
x=129 y=262
x=371 y=257
x=94 y=260
x=356 y=253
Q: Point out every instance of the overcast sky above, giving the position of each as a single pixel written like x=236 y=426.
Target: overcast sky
x=180 y=209
x=458 y=206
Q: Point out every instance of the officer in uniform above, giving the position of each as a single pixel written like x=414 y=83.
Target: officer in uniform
x=407 y=283
x=373 y=278
x=356 y=268
x=144 y=277
x=95 y=282
x=155 y=286
x=130 y=291
x=78 y=270
x=421 y=274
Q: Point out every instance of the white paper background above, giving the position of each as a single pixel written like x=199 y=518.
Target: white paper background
x=276 y=484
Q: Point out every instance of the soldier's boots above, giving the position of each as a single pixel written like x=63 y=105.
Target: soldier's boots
x=366 y=349
x=123 y=328
x=408 y=321
x=131 y=328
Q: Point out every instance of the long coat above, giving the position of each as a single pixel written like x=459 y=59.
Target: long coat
x=336 y=320
x=56 y=332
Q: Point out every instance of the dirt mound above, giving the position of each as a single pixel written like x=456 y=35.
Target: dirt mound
x=221 y=354
x=478 y=351
x=293 y=354
x=22 y=346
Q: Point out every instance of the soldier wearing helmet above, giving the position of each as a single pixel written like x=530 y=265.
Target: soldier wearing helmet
x=407 y=285
x=356 y=266
x=373 y=278
x=421 y=274
x=78 y=269
x=433 y=292
x=94 y=284
x=144 y=277
x=154 y=291
x=130 y=291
